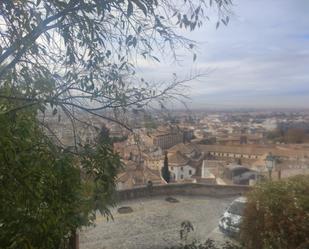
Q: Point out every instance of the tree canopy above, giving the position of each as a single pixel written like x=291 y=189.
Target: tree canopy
x=276 y=215
x=47 y=192
x=80 y=54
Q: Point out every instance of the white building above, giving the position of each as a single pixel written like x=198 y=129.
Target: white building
x=211 y=167
x=180 y=167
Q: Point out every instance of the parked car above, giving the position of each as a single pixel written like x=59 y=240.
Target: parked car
x=230 y=221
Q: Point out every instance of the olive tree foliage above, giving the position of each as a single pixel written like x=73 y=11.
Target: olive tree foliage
x=83 y=51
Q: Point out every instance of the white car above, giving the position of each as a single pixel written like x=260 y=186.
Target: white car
x=230 y=221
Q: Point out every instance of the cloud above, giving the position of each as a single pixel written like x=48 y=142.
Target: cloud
x=260 y=59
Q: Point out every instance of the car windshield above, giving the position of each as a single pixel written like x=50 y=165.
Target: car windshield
x=237 y=208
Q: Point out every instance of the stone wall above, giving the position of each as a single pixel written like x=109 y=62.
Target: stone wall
x=183 y=189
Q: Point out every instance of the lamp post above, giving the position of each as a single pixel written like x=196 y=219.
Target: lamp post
x=270 y=164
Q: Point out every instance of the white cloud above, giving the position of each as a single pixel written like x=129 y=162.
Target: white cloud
x=261 y=58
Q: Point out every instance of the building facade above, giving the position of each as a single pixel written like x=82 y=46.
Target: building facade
x=166 y=140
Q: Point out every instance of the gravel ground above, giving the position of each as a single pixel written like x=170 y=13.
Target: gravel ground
x=155 y=223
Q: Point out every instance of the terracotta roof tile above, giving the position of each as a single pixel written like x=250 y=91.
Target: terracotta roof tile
x=177 y=159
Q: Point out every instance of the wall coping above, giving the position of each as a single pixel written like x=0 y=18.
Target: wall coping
x=194 y=189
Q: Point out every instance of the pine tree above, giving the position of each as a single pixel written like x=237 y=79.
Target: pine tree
x=164 y=171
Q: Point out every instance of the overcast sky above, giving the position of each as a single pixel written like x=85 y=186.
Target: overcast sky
x=261 y=59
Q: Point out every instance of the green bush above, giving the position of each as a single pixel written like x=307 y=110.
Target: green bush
x=277 y=215
x=47 y=192
x=186 y=243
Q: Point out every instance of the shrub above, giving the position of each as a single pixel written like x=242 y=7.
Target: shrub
x=277 y=215
x=47 y=192
x=186 y=243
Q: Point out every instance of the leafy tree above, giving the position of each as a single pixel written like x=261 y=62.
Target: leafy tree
x=82 y=51
x=38 y=186
x=276 y=215
x=43 y=196
x=165 y=171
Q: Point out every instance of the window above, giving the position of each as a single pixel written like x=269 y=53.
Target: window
x=172 y=168
x=181 y=168
x=190 y=172
x=181 y=176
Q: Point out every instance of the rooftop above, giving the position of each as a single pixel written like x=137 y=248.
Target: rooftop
x=254 y=149
x=177 y=159
x=187 y=148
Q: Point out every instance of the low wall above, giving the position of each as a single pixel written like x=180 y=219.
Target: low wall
x=183 y=189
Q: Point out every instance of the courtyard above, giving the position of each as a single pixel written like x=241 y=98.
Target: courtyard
x=155 y=223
